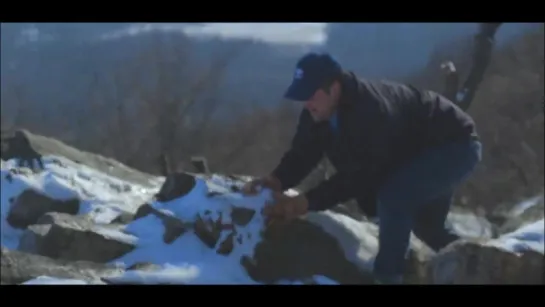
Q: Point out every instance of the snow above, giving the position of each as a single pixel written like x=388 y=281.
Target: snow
x=46 y=280
x=187 y=260
x=469 y=225
x=358 y=240
x=525 y=205
x=528 y=237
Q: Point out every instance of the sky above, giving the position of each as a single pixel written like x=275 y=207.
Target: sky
x=286 y=33
x=298 y=33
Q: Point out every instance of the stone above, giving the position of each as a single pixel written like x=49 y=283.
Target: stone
x=299 y=250
x=466 y=262
x=242 y=216
x=208 y=231
x=144 y=266
x=123 y=218
x=31 y=205
x=174 y=227
x=18 y=267
x=175 y=186
x=227 y=246
x=63 y=236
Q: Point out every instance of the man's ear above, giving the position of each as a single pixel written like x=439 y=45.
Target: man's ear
x=335 y=89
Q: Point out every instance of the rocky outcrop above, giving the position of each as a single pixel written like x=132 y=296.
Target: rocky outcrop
x=62 y=236
x=58 y=242
x=479 y=263
x=176 y=185
x=50 y=146
x=532 y=210
x=30 y=205
x=242 y=216
x=300 y=250
x=173 y=227
x=17 y=267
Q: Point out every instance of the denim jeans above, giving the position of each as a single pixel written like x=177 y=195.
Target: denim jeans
x=417 y=198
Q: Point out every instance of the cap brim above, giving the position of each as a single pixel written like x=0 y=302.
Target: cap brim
x=299 y=92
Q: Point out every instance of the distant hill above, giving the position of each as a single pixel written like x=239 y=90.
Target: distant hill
x=55 y=68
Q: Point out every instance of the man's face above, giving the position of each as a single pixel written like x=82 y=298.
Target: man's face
x=323 y=103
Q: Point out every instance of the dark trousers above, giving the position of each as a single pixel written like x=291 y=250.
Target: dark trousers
x=417 y=198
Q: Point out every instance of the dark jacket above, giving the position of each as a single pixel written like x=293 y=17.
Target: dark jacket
x=381 y=125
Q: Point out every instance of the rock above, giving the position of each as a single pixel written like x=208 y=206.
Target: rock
x=200 y=164
x=176 y=185
x=226 y=247
x=213 y=194
x=531 y=214
x=144 y=266
x=62 y=236
x=174 y=227
x=18 y=267
x=123 y=218
x=300 y=250
x=242 y=216
x=144 y=210
x=475 y=263
x=18 y=146
x=31 y=205
x=23 y=171
x=349 y=209
x=208 y=231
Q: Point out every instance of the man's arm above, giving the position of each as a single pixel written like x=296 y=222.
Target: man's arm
x=339 y=188
x=344 y=186
x=307 y=148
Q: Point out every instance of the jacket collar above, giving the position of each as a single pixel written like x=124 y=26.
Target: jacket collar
x=349 y=90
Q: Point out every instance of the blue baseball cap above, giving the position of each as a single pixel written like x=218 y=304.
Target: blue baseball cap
x=311 y=72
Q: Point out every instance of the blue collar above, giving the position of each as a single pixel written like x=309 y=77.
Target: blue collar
x=334 y=122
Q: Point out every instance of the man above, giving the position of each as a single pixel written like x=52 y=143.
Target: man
x=398 y=151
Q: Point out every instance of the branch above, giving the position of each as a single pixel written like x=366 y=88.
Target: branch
x=482 y=51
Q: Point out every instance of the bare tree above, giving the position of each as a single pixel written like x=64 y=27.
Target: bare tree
x=159 y=103
x=482 y=51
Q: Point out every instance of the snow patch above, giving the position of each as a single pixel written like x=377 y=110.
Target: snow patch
x=528 y=237
x=187 y=260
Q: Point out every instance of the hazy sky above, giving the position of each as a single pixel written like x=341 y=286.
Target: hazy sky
x=297 y=33
x=307 y=33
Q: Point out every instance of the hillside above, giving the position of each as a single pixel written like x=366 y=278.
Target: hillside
x=134 y=110
x=52 y=57
x=72 y=223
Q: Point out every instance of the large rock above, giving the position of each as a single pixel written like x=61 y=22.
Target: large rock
x=50 y=146
x=518 y=217
x=31 y=205
x=175 y=186
x=68 y=237
x=478 y=263
x=18 y=267
x=173 y=226
x=210 y=230
x=300 y=250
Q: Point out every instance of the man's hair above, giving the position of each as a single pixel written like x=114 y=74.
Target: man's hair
x=326 y=85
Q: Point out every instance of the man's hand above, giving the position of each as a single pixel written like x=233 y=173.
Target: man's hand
x=285 y=208
x=269 y=182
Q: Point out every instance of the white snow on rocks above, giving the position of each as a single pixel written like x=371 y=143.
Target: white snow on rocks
x=187 y=260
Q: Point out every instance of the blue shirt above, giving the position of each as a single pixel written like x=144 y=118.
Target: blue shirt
x=334 y=123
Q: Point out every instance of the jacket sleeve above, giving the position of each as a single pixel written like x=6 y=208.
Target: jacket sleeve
x=344 y=186
x=337 y=189
x=307 y=148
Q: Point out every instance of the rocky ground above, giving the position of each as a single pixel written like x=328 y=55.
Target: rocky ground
x=98 y=222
